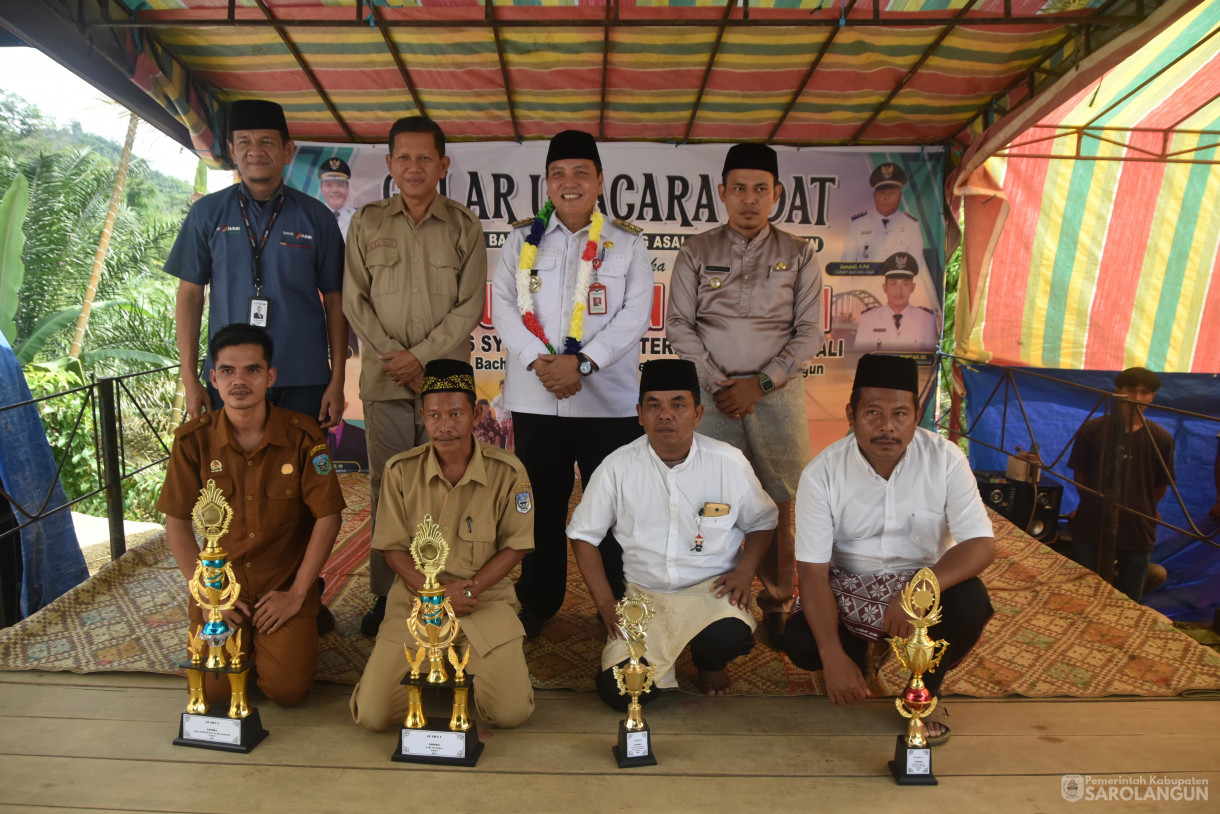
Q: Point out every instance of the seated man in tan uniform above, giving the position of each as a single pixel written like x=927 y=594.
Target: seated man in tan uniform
x=273 y=467
x=479 y=495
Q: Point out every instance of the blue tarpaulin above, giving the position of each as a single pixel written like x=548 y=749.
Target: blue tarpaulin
x=1056 y=408
x=51 y=559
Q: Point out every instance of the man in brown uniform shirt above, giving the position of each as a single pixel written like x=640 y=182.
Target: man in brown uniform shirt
x=480 y=497
x=414 y=288
x=273 y=468
x=746 y=308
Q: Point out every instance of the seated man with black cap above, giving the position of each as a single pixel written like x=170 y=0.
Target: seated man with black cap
x=680 y=504
x=479 y=496
x=572 y=298
x=871 y=510
x=746 y=308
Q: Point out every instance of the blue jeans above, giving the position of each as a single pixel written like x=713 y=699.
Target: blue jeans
x=1131 y=571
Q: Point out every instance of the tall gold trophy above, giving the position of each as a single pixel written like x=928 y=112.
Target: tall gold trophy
x=435 y=627
x=634 y=747
x=214 y=646
x=918 y=654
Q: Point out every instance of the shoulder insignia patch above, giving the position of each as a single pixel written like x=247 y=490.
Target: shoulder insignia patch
x=518 y=224
x=866 y=310
x=929 y=310
x=319 y=456
x=859 y=215
x=912 y=217
x=523 y=499
x=630 y=227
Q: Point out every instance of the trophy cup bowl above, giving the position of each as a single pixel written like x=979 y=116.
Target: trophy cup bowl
x=215 y=590
x=435 y=628
x=919 y=654
x=634 y=747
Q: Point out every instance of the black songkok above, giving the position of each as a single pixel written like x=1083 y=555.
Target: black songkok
x=887 y=372
x=1137 y=377
x=751 y=156
x=573 y=144
x=256 y=114
x=447 y=376
x=669 y=374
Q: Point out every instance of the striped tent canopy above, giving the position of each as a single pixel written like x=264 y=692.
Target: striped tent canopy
x=808 y=72
x=1093 y=238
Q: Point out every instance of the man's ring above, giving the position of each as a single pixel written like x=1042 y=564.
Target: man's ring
x=466 y=591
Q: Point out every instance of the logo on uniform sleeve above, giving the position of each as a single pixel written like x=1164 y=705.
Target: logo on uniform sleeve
x=320 y=456
x=523 y=499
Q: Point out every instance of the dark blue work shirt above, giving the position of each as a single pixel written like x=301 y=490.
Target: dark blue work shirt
x=302 y=260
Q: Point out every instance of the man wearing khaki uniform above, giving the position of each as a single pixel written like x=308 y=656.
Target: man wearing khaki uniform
x=480 y=497
x=415 y=287
x=746 y=308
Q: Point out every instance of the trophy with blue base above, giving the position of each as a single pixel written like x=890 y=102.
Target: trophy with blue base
x=435 y=628
x=634 y=747
x=214 y=646
x=918 y=654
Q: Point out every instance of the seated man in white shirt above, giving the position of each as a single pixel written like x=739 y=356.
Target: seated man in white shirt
x=871 y=510
x=680 y=504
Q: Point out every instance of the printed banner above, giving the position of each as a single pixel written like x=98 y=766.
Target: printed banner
x=671 y=192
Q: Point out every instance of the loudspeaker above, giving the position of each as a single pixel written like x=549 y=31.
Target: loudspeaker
x=1034 y=508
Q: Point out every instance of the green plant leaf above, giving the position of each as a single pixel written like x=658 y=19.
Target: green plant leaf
x=47 y=327
x=13 y=208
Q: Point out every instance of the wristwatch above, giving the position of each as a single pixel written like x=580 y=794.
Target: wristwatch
x=765 y=382
x=585 y=365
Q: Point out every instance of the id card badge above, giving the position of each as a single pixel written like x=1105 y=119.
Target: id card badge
x=259 y=307
x=597 y=299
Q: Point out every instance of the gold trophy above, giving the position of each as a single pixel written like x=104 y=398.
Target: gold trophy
x=214 y=646
x=918 y=654
x=634 y=747
x=435 y=628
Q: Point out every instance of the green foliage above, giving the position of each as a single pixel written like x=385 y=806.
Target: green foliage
x=68 y=421
x=953 y=272
x=71 y=176
x=13 y=208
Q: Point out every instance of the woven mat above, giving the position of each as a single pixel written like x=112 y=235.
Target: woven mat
x=1058 y=629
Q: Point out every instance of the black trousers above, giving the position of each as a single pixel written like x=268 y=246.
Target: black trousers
x=550 y=447
x=712 y=649
x=965 y=609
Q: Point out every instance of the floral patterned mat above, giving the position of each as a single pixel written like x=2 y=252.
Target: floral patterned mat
x=1058 y=629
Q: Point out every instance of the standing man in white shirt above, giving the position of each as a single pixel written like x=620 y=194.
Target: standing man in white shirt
x=681 y=505
x=572 y=297
x=871 y=510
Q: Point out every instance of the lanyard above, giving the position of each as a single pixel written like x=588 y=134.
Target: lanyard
x=256 y=249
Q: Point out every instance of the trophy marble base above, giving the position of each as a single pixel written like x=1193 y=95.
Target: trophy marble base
x=634 y=748
x=221 y=732
x=435 y=742
x=912 y=765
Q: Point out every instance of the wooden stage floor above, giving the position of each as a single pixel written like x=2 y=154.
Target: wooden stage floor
x=102 y=742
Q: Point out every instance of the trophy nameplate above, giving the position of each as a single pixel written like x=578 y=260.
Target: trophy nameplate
x=214 y=646
x=426 y=737
x=634 y=747
x=918 y=654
